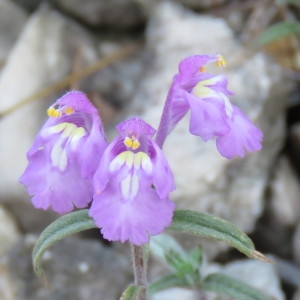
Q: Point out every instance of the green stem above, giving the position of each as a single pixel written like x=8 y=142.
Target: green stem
x=140 y=256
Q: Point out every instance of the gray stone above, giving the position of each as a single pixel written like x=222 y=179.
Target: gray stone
x=296 y=296
x=7 y=285
x=9 y=233
x=42 y=55
x=118 y=14
x=232 y=189
x=117 y=83
x=12 y=21
x=296 y=245
x=176 y=293
x=77 y=269
x=260 y=275
x=285 y=194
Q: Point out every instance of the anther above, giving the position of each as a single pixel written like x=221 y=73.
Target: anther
x=69 y=110
x=54 y=113
x=221 y=62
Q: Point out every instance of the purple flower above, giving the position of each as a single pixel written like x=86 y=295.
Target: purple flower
x=132 y=186
x=212 y=114
x=65 y=154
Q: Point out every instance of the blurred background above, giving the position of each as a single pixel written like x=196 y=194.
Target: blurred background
x=123 y=55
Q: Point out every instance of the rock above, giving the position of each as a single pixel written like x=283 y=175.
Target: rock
x=297 y=295
x=75 y=268
x=9 y=233
x=7 y=285
x=260 y=275
x=12 y=21
x=285 y=194
x=231 y=189
x=296 y=245
x=294 y=142
x=41 y=56
x=31 y=5
x=117 y=14
x=288 y=271
x=176 y=293
x=117 y=83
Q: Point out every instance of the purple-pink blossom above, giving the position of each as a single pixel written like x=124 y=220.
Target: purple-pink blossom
x=212 y=114
x=64 y=155
x=132 y=186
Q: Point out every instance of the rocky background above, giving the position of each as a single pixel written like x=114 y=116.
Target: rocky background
x=126 y=53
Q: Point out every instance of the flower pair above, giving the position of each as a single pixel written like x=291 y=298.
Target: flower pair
x=212 y=114
x=127 y=182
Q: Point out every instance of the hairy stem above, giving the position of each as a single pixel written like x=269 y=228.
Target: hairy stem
x=140 y=261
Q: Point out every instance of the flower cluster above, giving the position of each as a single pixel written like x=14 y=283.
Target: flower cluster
x=127 y=183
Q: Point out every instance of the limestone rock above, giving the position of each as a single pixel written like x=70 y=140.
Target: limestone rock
x=9 y=233
x=285 y=194
x=76 y=269
x=296 y=244
x=118 y=14
x=176 y=293
x=7 y=285
x=260 y=275
x=12 y=21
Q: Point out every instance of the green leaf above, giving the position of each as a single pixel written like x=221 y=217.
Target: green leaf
x=163 y=244
x=196 y=256
x=275 y=32
x=167 y=282
x=208 y=226
x=133 y=292
x=184 y=265
x=232 y=287
x=60 y=228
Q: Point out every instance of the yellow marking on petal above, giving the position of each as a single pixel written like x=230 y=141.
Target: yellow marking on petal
x=69 y=128
x=54 y=113
x=78 y=132
x=221 y=62
x=69 y=110
x=202 y=69
x=140 y=158
x=119 y=160
x=58 y=128
x=202 y=91
x=126 y=157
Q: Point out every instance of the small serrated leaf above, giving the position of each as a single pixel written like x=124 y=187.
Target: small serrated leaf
x=229 y=286
x=208 y=226
x=62 y=227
